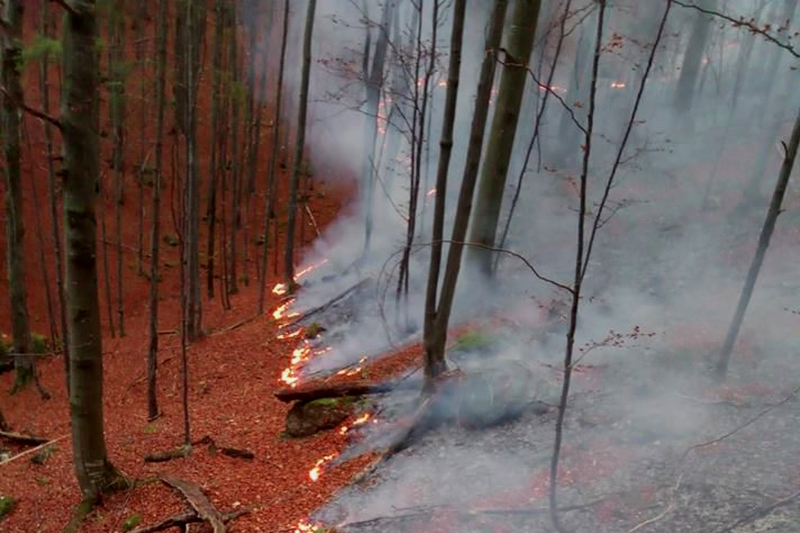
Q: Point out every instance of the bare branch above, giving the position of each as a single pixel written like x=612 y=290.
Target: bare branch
x=741 y=22
x=31 y=111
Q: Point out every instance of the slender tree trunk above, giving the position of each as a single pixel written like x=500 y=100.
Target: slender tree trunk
x=373 y=78
x=503 y=131
x=106 y=275
x=211 y=209
x=179 y=77
x=300 y=141
x=761 y=251
x=15 y=229
x=155 y=236
x=687 y=82
x=192 y=204
x=269 y=212
x=236 y=177
x=434 y=353
x=141 y=13
x=116 y=69
x=80 y=119
x=44 y=89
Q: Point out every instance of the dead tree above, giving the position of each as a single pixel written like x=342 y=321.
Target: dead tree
x=761 y=251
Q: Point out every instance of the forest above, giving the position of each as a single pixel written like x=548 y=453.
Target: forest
x=362 y=266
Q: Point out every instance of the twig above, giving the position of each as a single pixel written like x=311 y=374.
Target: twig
x=711 y=442
x=749 y=24
x=32 y=450
x=758 y=513
x=311 y=217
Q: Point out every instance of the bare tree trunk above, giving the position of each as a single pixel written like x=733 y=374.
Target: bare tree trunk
x=192 y=204
x=489 y=198
x=300 y=141
x=373 y=79
x=179 y=76
x=236 y=178
x=211 y=209
x=116 y=93
x=434 y=352
x=139 y=25
x=269 y=212
x=761 y=251
x=80 y=118
x=693 y=57
x=44 y=89
x=15 y=228
x=155 y=236
x=434 y=349
x=106 y=276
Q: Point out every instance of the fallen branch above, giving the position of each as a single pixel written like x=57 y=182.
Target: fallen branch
x=199 y=502
x=19 y=438
x=32 y=450
x=234 y=326
x=236 y=453
x=184 y=519
x=326 y=305
x=313 y=220
x=162 y=457
x=760 y=512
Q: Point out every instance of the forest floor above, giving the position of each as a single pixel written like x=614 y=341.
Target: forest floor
x=232 y=376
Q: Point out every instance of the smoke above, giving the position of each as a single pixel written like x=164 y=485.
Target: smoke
x=679 y=231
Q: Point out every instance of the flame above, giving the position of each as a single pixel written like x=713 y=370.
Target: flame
x=363 y=419
x=281 y=311
x=431 y=192
x=618 y=85
x=306 y=527
x=291 y=335
x=316 y=472
x=280 y=289
x=308 y=269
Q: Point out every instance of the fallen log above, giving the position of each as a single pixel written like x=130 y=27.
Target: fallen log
x=199 y=502
x=316 y=391
x=162 y=457
x=19 y=438
x=182 y=520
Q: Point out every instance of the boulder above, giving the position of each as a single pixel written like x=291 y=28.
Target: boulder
x=307 y=418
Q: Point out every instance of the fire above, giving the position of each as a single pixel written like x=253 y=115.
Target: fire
x=431 y=192
x=280 y=289
x=308 y=269
x=350 y=371
x=316 y=472
x=281 y=311
x=363 y=419
x=618 y=85
x=291 y=335
x=306 y=527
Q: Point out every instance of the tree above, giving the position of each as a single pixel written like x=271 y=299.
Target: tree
x=80 y=122
x=693 y=57
x=301 y=139
x=763 y=243
x=436 y=328
x=15 y=229
x=155 y=235
x=434 y=352
x=269 y=212
x=500 y=145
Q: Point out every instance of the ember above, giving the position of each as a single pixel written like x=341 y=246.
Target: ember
x=281 y=311
x=618 y=85
x=305 y=527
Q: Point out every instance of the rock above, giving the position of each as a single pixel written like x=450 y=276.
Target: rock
x=307 y=418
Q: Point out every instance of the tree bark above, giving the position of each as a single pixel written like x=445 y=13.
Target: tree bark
x=155 y=235
x=192 y=205
x=434 y=347
x=300 y=142
x=15 y=229
x=761 y=251
x=500 y=144
x=80 y=119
